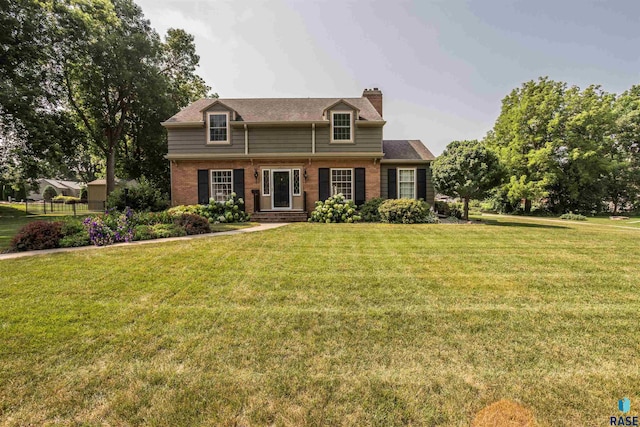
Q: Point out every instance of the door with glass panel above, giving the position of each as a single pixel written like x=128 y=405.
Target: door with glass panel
x=281 y=189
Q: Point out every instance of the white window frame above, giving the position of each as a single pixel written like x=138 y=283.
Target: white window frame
x=415 y=182
x=218 y=113
x=342 y=141
x=293 y=181
x=332 y=192
x=268 y=172
x=211 y=184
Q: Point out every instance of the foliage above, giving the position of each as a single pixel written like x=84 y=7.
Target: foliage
x=112 y=227
x=152 y=218
x=72 y=225
x=466 y=169
x=335 y=209
x=231 y=210
x=83 y=194
x=157 y=231
x=141 y=197
x=573 y=217
x=193 y=224
x=67 y=200
x=75 y=240
x=38 y=235
x=369 y=210
x=406 y=211
x=49 y=193
x=86 y=85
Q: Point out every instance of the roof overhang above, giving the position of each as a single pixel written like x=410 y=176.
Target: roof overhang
x=207 y=156
x=405 y=161
x=170 y=125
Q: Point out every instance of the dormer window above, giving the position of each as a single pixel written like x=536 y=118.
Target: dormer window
x=218 y=127
x=341 y=129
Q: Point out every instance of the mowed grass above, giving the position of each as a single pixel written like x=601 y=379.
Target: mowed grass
x=316 y=324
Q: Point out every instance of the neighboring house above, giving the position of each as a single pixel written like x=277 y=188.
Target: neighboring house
x=97 y=192
x=62 y=187
x=283 y=154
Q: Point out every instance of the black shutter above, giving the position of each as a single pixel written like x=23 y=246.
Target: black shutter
x=393 y=183
x=203 y=186
x=360 y=187
x=238 y=183
x=324 y=190
x=421 y=184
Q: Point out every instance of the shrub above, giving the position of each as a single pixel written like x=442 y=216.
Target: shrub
x=49 y=193
x=143 y=232
x=168 y=230
x=442 y=208
x=75 y=240
x=335 y=209
x=83 y=194
x=142 y=197
x=72 y=226
x=406 y=211
x=37 y=235
x=152 y=218
x=231 y=210
x=193 y=224
x=111 y=227
x=573 y=217
x=369 y=210
x=67 y=200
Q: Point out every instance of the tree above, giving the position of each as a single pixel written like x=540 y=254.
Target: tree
x=49 y=193
x=525 y=137
x=466 y=169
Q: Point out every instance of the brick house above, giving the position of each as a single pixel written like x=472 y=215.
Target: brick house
x=283 y=154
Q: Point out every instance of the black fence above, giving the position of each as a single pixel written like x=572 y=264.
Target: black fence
x=43 y=207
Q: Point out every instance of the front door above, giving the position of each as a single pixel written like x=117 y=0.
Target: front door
x=282 y=189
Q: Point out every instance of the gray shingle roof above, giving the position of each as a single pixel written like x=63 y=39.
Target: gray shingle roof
x=405 y=149
x=276 y=109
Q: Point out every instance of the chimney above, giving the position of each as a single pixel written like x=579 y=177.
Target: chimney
x=375 y=97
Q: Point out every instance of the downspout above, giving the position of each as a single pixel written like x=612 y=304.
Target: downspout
x=246 y=139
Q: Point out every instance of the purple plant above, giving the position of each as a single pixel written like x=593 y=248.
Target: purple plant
x=99 y=233
x=110 y=228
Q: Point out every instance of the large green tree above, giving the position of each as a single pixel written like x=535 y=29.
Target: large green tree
x=468 y=170
x=525 y=137
x=108 y=77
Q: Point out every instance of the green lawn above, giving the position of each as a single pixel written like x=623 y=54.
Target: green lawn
x=317 y=324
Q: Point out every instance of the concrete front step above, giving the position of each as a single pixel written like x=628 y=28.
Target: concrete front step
x=284 y=216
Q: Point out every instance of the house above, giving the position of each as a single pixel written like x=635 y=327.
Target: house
x=283 y=154
x=62 y=187
x=97 y=192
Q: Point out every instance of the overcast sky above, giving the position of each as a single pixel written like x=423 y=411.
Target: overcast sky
x=443 y=66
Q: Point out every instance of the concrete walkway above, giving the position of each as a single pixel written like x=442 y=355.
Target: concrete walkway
x=261 y=227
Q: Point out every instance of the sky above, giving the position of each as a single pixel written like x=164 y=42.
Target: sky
x=443 y=66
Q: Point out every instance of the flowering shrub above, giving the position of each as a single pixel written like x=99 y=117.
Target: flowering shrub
x=111 y=227
x=37 y=235
x=335 y=209
x=406 y=211
x=231 y=210
x=193 y=224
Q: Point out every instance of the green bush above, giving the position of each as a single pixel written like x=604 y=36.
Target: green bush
x=83 y=194
x=442 y=208
x=37 y=235
x=142 y=197
x=168 y=230
x=152 y=218
x=143 y=232
x=75 y=240
x=406 y=211
x=193 y=224
x=573 y=217
x=49 y=193
x=335 y=209
x=369 y=210
x=232 y=210
x=72 y=226
x=67 y=200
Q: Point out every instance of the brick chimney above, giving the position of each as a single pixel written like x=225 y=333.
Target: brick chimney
x=375 y=97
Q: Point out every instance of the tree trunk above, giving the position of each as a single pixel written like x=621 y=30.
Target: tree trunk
x=527 y=206
x=111 y=169
x=466 y=209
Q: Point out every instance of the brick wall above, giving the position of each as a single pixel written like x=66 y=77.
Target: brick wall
x=184 y=176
